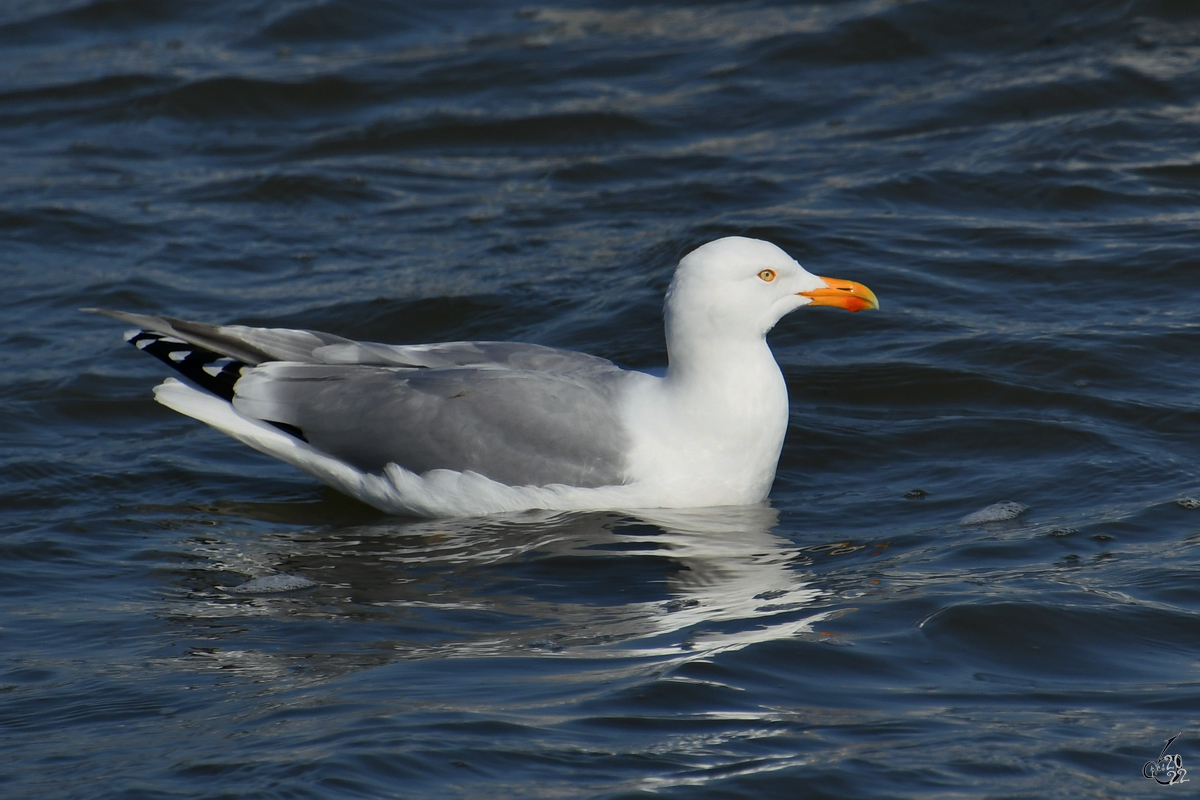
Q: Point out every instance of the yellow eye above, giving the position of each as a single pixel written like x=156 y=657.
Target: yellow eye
x=767 y=275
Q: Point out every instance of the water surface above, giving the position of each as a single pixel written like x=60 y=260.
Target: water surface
x=1017 y=183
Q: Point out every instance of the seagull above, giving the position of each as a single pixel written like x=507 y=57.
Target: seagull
x=459 y=429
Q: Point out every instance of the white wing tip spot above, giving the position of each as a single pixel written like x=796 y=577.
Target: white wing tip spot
x=214 y=368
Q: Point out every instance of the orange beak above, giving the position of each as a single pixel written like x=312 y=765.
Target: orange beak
x=842 y=294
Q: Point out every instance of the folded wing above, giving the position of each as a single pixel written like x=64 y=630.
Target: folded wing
x=518 y=427
x=519 y=414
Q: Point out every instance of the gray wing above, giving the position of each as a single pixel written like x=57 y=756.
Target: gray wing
x=247 y=345
x=259 y=345
x=518 y=427
x=476 y=355
x=521 y=414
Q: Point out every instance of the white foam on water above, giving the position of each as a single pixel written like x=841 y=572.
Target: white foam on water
x=996 y=512
x=271 y=584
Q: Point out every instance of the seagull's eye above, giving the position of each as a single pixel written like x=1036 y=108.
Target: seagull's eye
x=767 y=275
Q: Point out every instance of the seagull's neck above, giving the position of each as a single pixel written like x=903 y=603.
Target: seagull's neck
x=728 y=393
x=722 y=370
x=709 y=432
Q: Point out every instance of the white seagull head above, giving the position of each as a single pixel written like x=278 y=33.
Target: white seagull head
x=738 y=287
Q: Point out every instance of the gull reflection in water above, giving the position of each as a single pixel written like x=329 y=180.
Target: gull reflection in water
x=646 y=583
x=733 y=570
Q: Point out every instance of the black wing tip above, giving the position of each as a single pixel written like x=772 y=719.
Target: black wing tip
x=210 y=371
x=290 y=430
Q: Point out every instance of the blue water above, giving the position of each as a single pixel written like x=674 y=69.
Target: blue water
x=1019 y=184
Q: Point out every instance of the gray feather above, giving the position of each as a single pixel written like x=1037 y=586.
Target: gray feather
x=248 y=345
x=520 y=414
x=519 y=427
x=259 y=345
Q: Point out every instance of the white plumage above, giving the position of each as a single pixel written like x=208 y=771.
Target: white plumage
x=465 y=428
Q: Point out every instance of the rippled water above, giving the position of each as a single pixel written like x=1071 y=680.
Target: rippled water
x=1019 y=184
